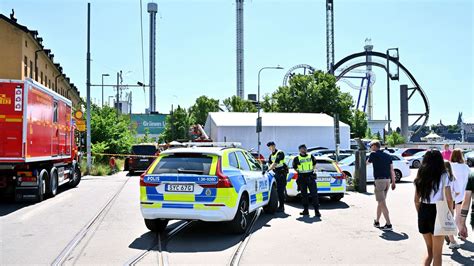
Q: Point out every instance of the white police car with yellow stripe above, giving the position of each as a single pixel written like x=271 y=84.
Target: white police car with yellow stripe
x=205 y=183
x=331 y=181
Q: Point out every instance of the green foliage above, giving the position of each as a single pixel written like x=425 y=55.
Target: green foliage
x=315 y=93
x=146 y=138
x=114 y=131
x=96 y=149
x=394 y=139
x=454 y=129
x=177 y=125
x=236 y=104
x=202 y=108
x=359 y=124
x=368 y=134
x=268 y=104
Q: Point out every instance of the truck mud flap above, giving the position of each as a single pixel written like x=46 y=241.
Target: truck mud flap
x=29 y=194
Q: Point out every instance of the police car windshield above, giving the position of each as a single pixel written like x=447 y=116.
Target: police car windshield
x=347 y=160
x=184 y=164
x=325 y=166
x=144 y=150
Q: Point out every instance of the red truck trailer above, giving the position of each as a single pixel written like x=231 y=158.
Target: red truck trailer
x=38 y=151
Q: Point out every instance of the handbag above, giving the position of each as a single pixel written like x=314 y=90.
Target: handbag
x=444 y=223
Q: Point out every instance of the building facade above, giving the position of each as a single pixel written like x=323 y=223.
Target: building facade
x=22 y=55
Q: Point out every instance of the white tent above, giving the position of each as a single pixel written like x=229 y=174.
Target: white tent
x=287 y=130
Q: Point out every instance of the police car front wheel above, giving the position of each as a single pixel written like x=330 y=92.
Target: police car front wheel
x=156 y=225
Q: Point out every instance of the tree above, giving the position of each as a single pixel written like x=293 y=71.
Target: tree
x=113 y=133
x=268 y=104
x=177 y=125
x=358 y=124
x=202 y=108
x=146 y=138
x=395 y=139
x=237 y=104
x=316 y=93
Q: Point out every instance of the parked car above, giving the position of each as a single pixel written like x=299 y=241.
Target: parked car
x=142 y=157
x=341 y=156
x=316 y=148
x=405 y=152
x=260 y=158
x=330 y=179
x=469 y=158
x=416 y=159
x=213 y=184
x=400 y=165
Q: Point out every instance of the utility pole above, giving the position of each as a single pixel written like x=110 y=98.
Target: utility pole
x=330 y=35
x=88 y=85
x=118 y=88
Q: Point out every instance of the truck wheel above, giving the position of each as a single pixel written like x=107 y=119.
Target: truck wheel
x=76 y=177
x=41 y=185
x=272 y=205
x=156 y=225
x=241 y=221
x=336 y=197
x=53 y=184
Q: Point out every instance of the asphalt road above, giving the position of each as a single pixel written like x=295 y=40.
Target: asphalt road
x=39 y=233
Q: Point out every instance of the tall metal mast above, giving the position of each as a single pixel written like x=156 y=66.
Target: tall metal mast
x=330 y=35
x=240 y=47
x=152 y=9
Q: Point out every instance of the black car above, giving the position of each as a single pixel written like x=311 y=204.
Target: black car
x=142 y=156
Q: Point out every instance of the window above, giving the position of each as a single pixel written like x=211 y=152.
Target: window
x=395 y=158
x=45 y=80
x=26 y=43
x=31 y=69
x=41 y=77
x=25 y=66
x=55 y=114
x=325 y=166
x=243 y=164
x=144 y=149
x=184 y=164
x=49 y=83
x=254 y=165
x=233 y=160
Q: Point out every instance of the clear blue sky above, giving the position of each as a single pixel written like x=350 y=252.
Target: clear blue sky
x=196 y=45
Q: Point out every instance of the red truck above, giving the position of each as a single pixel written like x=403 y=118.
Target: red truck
x=38 y=151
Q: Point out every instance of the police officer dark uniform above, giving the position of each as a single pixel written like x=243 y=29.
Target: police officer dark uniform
x=277 y=164
x=305 y=165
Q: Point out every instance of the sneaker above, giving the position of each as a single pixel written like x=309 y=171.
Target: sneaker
x=305 y=212
x=454 y=245
x=387 y=227
x=317 y=213
x=376 y=224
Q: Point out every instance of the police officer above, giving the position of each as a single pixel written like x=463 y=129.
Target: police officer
x=305 y=165
x=277 y=164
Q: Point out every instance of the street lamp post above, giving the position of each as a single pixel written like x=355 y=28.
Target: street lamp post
x=103 y=75
x=259 y=119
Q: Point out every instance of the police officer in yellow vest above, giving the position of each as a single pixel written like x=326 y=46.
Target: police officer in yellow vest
x=305 y=165
x=277 y=164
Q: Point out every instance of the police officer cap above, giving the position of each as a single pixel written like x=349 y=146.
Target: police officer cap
x=271 y=143
x=302 y=146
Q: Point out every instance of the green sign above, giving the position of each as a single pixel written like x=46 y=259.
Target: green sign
x=154 y=122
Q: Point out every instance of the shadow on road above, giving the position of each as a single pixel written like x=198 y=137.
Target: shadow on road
x=9 y=206
x=393 y=236
x=203 y=236
x=459 y=258
x=324 y=204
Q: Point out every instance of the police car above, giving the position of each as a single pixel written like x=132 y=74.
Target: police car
x=331 y=181
x=216 y=184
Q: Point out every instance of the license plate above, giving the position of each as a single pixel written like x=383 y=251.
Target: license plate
x=324 y=179
x=179 y=188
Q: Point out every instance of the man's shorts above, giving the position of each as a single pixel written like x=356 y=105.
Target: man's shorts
x=381 y=189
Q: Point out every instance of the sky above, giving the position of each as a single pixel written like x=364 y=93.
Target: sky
x=195 y=52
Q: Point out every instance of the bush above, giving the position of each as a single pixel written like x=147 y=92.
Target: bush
x=395 y=139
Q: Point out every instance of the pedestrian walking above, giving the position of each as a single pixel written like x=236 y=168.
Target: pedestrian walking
x=429 y=190
x=279 y=167
x=305 y=166
x=446 y=152
x=450 y=240
x=384 y=176
x=462 y=216
x=461 y=172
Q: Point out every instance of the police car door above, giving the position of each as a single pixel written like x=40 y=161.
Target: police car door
x=250 y=177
